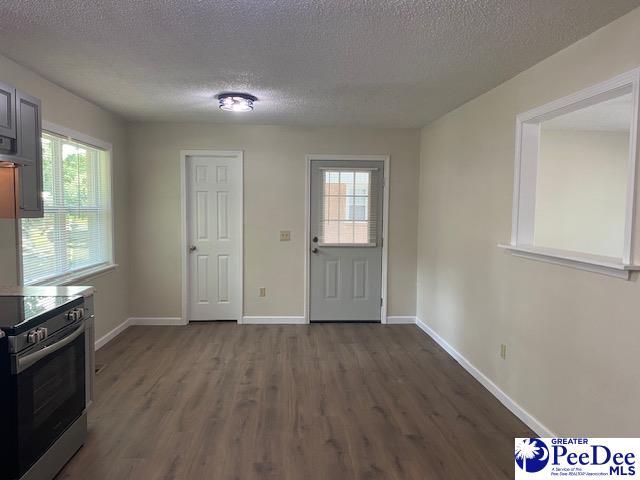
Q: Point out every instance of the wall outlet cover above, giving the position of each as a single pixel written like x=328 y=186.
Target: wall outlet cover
x=285 y=235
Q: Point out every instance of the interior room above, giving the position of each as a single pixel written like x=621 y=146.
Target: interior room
x=349 y=240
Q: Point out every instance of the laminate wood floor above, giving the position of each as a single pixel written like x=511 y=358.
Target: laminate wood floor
x=220 y=401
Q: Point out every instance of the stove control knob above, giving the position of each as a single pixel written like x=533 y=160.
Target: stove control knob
x=42 y=333
x=32 y=337
x=72 y=316
x=80 y=313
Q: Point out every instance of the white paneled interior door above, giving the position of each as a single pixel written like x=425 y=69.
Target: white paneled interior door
x=214 y=235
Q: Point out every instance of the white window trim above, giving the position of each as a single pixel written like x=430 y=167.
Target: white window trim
x=95 y=270
x=525 y=170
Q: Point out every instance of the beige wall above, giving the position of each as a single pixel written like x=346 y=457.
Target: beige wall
x=274 y=200
x=65 y=109
x=581 y=191
x=572 y=336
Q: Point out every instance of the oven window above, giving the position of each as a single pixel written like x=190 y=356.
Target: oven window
x=54 y=384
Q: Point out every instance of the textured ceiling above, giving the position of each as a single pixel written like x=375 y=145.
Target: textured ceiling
x=395 y=63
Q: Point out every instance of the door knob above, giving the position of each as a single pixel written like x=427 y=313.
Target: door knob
x=315 y=240
x=193 y=248
x=314 y=250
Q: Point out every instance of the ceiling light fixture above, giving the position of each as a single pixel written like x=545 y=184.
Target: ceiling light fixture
x=236 y=102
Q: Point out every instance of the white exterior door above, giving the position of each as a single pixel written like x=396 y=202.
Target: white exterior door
x=346 y=240
x=214 y=235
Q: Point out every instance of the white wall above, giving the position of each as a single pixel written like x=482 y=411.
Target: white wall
x=572 y=336
x=582 y=190
x=274 y=186
x=63 y=108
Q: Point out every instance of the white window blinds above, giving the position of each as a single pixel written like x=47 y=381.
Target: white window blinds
x=349 y=207
x=75 y=234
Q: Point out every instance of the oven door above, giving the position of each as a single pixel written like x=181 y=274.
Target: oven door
x=50 y=392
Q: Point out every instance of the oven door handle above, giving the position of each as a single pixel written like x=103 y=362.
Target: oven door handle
x=25 y=362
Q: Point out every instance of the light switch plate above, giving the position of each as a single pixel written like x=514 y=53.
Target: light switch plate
x=285 y=235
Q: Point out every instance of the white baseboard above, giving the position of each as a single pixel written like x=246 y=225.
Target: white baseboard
x=516 y=409
x=102 y=341
x=401 y=320
x=156 y=321
x=273 y=320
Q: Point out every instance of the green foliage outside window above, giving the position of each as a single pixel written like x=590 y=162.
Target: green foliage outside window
x=75 y=230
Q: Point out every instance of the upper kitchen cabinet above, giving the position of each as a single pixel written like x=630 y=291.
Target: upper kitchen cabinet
x=7 y=111
x=21 y=151
x=29 y=147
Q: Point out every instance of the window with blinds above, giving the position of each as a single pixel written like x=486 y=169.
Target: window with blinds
x=349 y=207
x=75 y=235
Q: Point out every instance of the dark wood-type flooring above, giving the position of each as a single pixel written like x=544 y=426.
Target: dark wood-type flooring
x=220 y=401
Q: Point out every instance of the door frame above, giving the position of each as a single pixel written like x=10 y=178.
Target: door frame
x=184 y=255
x=385 y=225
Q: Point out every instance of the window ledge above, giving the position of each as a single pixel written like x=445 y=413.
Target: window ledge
x=591 y=263
x=76 y=277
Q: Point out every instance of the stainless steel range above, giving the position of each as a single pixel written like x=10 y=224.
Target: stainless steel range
x=42 y=385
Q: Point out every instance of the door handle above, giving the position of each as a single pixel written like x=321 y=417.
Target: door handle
x=193 y=248
x=314 y=250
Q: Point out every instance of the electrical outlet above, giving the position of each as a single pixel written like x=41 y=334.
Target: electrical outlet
x=262 y=292
x=503 y=351
x=285 y=235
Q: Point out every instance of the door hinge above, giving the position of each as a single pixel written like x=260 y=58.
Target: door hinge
x=381 y=302
x=382 y=242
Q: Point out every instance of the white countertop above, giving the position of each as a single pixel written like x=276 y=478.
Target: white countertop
x=47 y=291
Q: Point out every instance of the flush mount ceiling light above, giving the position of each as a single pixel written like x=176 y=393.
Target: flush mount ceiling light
x=236 y=102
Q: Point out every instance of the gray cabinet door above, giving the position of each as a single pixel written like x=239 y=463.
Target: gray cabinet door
x=7 y=111
x=29 y=124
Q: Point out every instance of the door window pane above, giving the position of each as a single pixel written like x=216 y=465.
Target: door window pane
x=347 y=218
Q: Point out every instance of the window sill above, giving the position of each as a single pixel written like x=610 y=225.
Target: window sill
x=76 y=277
x=591 y=263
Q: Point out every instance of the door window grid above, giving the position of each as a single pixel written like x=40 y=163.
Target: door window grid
x=346 y=213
